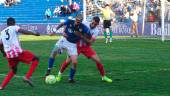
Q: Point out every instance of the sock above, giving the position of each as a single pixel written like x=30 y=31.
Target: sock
x=59 y=73
x=105 y=35
x=111 y=34
x=64 y=66
x=32 y=69
x=100 y=68
x=7 y=78
x=72 y=72
x=50 y=62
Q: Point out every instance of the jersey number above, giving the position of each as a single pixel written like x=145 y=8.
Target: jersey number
x=7 y=33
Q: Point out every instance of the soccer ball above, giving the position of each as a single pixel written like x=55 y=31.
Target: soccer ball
x=50 y=79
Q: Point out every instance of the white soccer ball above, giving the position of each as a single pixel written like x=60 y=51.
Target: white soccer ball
x=50 y=79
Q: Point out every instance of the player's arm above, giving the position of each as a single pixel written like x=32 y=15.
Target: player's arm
x=87 y=39
x=98 y=5
x=2 y=48
x=60 y=25
x=28 y=32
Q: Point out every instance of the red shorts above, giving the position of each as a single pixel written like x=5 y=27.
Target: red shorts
x=87 y=51
x=25 y=57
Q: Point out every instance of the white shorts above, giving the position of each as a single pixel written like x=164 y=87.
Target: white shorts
x=63 y=44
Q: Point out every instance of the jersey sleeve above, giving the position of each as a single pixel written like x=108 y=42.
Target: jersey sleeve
x=17 y=28
x=86 y=30
x=66 y=22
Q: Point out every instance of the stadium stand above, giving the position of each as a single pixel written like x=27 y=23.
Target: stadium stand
x=32 y=11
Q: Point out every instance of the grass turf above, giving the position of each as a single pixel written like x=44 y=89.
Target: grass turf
x=138 y=67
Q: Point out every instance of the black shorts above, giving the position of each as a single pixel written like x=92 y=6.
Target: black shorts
x=106 y=23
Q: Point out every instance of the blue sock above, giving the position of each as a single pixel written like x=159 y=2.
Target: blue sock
x=50 y=62
x=72 y=72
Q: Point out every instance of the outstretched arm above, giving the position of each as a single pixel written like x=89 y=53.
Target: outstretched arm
x=60 y=25
x=28 y=32
x=98 y=5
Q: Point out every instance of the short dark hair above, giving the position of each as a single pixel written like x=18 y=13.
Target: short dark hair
x=10 y=21
x=80 y=17
x=96 y=19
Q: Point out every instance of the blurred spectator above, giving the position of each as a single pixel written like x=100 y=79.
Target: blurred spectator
x=68 y=10
x=134 y=17
x=75 y=7
x=63 y=10
x=2 y=1
x=8 y=3
x=48 y=13
x=57 y=11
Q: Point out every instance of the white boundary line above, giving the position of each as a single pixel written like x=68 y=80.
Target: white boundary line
x=130 y=72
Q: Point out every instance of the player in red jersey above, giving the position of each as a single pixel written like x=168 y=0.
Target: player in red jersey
x=15 y=54
x=86 y=49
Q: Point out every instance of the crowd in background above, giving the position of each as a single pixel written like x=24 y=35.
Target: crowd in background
x=62 y=10
x=8 y=3
x=123 y=9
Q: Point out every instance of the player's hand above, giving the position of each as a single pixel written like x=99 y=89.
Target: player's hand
x=65 y=35
x=78 y=33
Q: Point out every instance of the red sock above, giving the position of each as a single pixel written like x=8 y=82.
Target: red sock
x=100 y=68
x=7 y=78
x=64 y=66
x=32 y=69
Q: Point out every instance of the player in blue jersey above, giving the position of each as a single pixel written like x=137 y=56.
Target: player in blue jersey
x=73 y=33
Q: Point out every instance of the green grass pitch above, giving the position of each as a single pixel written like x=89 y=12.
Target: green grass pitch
x=138 y=67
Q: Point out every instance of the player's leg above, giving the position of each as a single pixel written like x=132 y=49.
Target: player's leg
x=105 y=30
x=65 y=64
x=11 y=73
x=73 y=68
x=110 y=30
x=100 y=67
x=90 y=53
x=111 y=35
x=62 y=68
x=51 y=59
x=132 y=29
x=136 y=29
x=105 y=35
x=29 y=58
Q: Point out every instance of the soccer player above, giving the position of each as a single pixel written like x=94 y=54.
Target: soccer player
x=108 y=15
x=15 y=54
x=86 y=49
x=73 y=33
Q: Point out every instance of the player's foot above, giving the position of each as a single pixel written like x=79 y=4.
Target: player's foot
x=106 y=79
x=1 y=88
x=48 y=72
x=26 y=80
x=58 y=78
x=71 y=81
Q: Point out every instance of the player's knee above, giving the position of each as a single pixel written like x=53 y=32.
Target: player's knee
x=74 y=63
x=35 y=58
